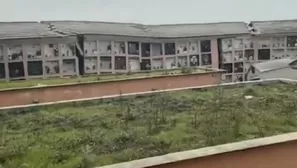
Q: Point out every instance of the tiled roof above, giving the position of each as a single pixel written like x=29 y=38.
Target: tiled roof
x=19 y=30
x=157 y=31
x=275 y=26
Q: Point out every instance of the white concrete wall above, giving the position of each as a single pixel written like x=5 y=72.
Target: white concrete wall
x=292 y=52
x=227 y=56
x=157 y=63
x=170 y=63
x=48 y=51
x=14 y=49
x=193 y=47
x=90 y=48
x=134 y=64
x=119 y=48
x=103 y=47
x=69 y=66
x=51 y=65
x=105 y=64
x=156 y=49
x=279 y=54
x=181 y=48
x=91 y=64
x=182 y=60
x=33 y=51
x=66 y=50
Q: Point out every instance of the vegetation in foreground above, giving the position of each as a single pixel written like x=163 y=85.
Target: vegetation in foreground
x=95 y=78
x=84 y=135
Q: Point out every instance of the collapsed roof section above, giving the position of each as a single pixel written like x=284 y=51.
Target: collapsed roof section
x=22 y=30
x=274 y=27
x=153 y=31
x=274 y=64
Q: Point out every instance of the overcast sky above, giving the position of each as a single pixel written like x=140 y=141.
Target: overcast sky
x=148 y=11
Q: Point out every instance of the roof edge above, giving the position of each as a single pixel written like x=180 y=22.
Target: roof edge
x=208 y=151
x=36 y=37
x=162 y=37
x=135 y=23
x=269 y=70
x=18 y=22
x=263 y=21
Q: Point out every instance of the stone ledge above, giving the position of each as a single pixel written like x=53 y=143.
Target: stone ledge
x=201 y=71
x=266 y=81
x=208 y=151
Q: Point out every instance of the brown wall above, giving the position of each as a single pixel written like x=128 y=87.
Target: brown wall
x=51 y=94
x=214 y=53
x=281 y=155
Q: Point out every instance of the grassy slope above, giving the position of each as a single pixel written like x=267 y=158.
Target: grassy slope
x=110 y=131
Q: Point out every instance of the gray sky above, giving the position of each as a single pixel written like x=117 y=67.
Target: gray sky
x=148 y=11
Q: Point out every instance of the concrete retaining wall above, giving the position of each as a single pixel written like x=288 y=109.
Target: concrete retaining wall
x=270 y=152
x=24 y=96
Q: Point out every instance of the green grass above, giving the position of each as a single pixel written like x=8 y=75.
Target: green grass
x=83 y=135
x=94 y=78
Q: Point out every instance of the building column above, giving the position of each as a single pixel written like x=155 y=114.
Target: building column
x=6 y=68
x=127 y=57
x=214 y=53
x=43 y=60
x=98 y=57
x=76 y=67
x=112 y=58
x=25 y=60
x=61 y=73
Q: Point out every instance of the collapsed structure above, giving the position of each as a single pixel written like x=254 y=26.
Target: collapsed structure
x=63 y=48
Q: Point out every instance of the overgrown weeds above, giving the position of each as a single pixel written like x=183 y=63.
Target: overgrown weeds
x=83 y=135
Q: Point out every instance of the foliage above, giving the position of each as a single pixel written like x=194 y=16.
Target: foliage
x=186 y=70
x=95 y=133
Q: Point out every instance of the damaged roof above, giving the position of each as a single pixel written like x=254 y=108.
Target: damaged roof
x=155 y=31
x=18 y=30
x=21 y=30
x=275 y=26
x=274 y=64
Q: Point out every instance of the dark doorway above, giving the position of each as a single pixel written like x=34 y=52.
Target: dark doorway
x=145 y=64
x=145 y=49
x=2 y=71
x=133 y=48
x=228 y=67
x=35 y=68
x=120 y=63
x=264 y=54
x=16 y=70
x=169 y=48
x=205 y=46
